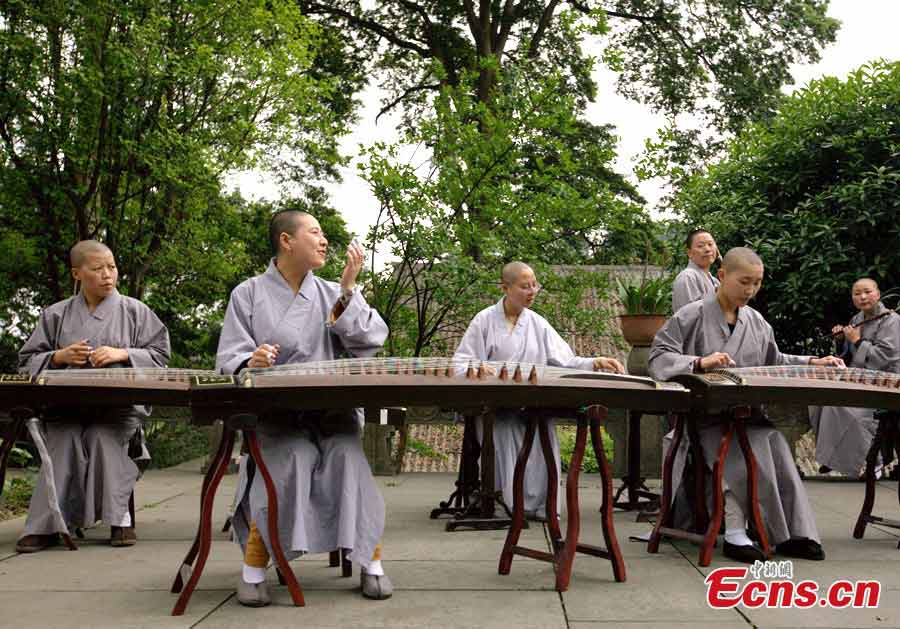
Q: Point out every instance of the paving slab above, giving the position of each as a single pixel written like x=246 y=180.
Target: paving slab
x=432 y=609
x=441 y=579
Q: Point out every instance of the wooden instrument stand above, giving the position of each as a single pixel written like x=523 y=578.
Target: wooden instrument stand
x=563 y=555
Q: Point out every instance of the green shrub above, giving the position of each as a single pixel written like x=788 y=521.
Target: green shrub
x=16 y=496
x=421 y=448
x=171 y=443
x=589 y=465
x=20 y=457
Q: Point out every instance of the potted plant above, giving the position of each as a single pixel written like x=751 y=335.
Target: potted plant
x=647 y=303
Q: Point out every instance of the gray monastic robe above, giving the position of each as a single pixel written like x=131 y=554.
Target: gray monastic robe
x=691 y=284
x=699 y=329
x=91 y=471
x=533 y=340
x=844 y=435
x=327 y=497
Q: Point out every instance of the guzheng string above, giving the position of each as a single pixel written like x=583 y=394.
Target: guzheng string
x=854 y=375
x=427 y=366
x=124 y=374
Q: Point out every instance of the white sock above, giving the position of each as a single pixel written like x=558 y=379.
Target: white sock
x=375 y=568
x=252 y=574
x=126 y=520
x=738 y=537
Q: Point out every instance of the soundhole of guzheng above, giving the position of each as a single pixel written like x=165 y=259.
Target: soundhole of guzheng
x=212 y=380
x=15 y=378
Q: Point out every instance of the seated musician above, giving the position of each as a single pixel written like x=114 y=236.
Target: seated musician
x=89 y=464
x=510 y=331
x=720 y=331
x=695 y=281
x=327 y=496
x=870 y=341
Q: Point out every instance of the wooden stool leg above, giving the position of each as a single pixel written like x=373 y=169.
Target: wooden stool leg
x=552 y=484
x=606 y=507
x=753 y=488
x=205 y=530
x=665 y=505
x=566 y=555
x=346 y=564
x=518 y=518
x=211 y=471
x=869 y=501
x=712 y=531
x=280 y=560
x=334 y=558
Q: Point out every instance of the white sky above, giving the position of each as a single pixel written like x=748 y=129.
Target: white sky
x=868 y=31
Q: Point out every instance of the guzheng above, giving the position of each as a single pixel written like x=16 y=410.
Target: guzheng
x=448 y=383
x=102 y=387
x=720 y=389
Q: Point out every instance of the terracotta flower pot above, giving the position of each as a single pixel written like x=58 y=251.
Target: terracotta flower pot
x=639 y=329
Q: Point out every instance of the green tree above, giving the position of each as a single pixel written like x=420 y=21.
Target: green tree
x=118 y=120
x=816 y=191
x=483 y=199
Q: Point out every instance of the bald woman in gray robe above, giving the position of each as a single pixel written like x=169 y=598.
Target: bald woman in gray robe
x=327 y=497
x=700 y=336
x=91 y=472
x=843 y=434
x=509 y=331
x=695 y=281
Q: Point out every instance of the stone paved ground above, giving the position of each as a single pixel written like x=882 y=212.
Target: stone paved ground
x=442 y=579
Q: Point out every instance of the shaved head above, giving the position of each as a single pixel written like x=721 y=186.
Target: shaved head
x=740 y=257
x=512 y=271
x=866 y=281
x=284 y=222
x=80 y=252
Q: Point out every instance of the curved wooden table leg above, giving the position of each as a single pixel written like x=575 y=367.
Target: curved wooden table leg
x=712 y=531
x=552 y=484
x=665 y=505
x=280 y=560
x=518 y=518
x=9 y=441
x=606 y=507
x=753 y=485
x=205 y=529
x=566 y=554
x=698 y=461
x=869 y=501
x=211 y=469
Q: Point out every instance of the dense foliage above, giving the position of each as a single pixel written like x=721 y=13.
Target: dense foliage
x=117 y=122
x=816 y=191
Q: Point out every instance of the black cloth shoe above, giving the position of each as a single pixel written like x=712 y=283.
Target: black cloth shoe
x=36 y=543
x=744 y=554
x=824 y=469
x=801 y=549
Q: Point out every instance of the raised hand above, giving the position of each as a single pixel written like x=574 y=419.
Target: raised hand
x=355 y=258
x=264 y=356
x=74 y=355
